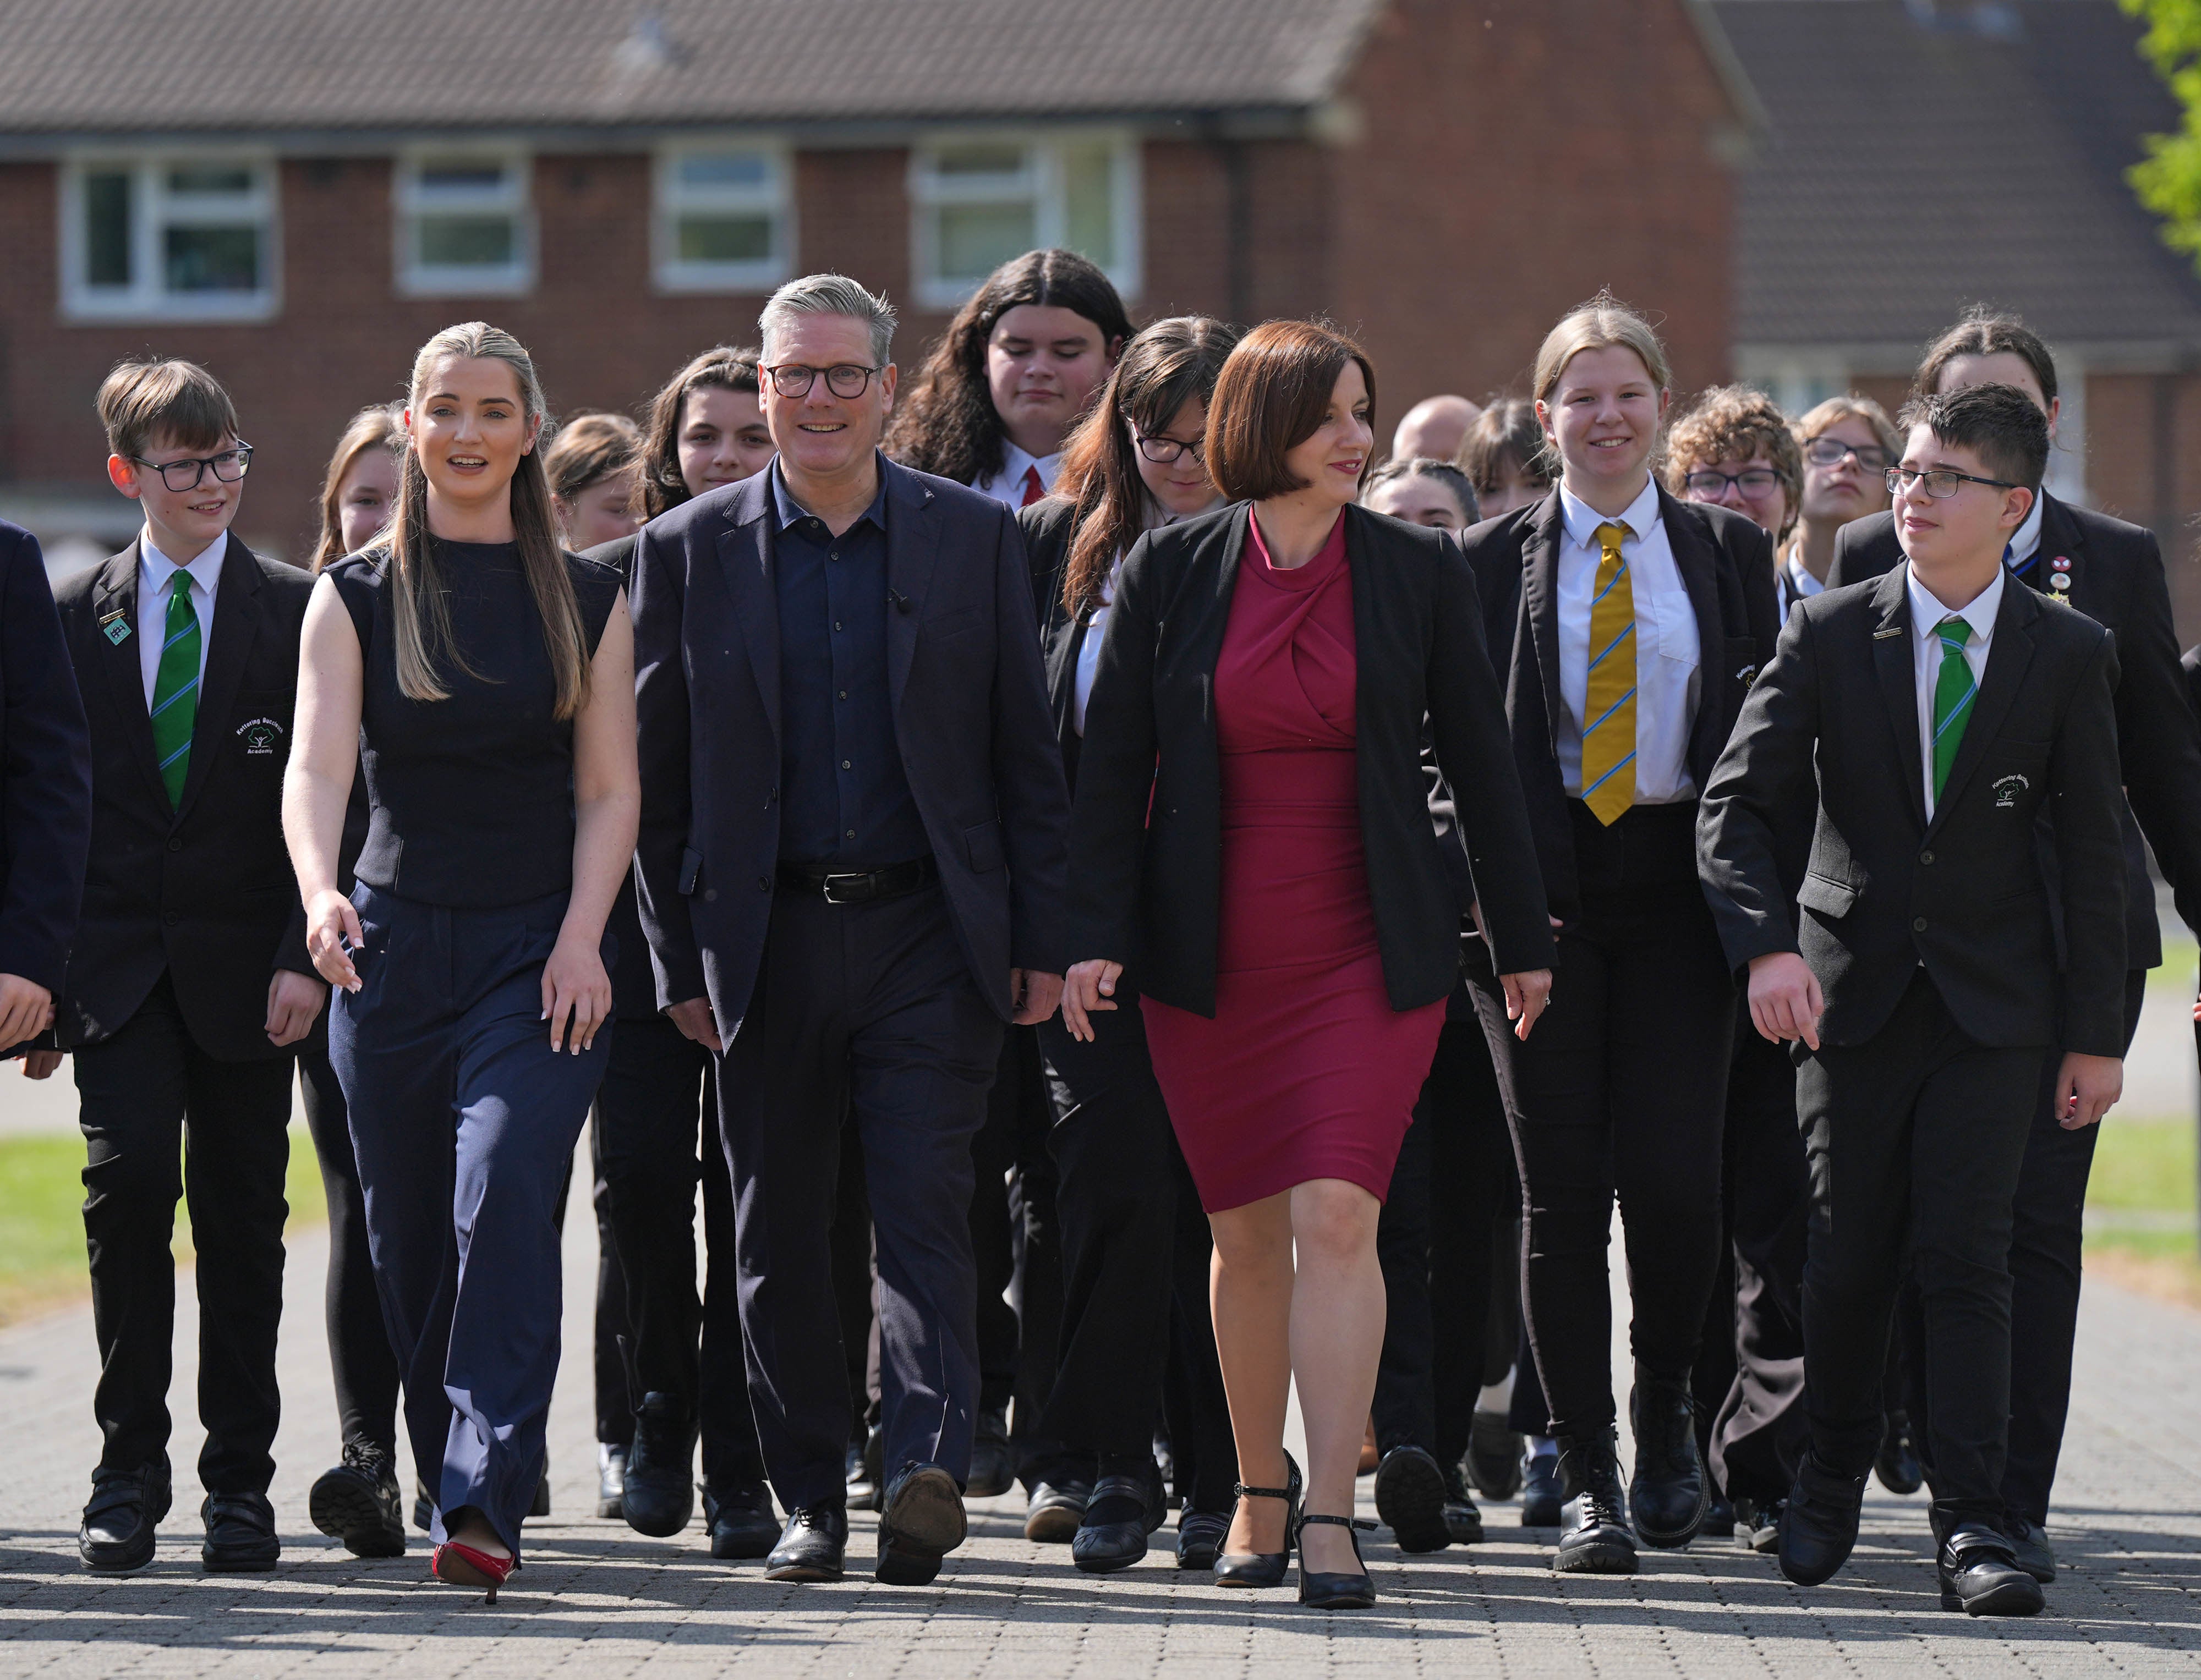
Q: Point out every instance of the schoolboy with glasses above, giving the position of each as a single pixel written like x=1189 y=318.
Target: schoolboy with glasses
x=189 y=981
x=1923 y=981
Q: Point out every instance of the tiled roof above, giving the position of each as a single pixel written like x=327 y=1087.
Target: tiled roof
x=1924 y=156
x=105 y=65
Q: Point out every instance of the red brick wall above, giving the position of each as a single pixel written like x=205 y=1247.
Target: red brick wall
x=2127 y=451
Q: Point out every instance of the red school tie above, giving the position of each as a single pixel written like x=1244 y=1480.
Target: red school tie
x=1034 y=490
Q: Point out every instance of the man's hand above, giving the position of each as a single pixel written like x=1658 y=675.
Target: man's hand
x=1086 y=990
x=294 y=1000
x=40 y=1064
x=27 y=1009
x=1785 y=999
x=1526 y=995
x=1034 y=995
x=693 y=1017
x=2085 y=1088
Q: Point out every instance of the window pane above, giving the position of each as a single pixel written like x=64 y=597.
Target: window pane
x=107 y=228
x=464 y=242
x=462 y=174
x=995 y=159
x=976 y=239
x=725 y=169
x=1089 y=182
x=228 y=179
x=212 y=259
x=725 y=239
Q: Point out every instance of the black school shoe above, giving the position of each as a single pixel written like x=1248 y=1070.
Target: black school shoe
x=921 y=1520
x=813 y=1546
x=1057 y=1511
x=1897 y=1462
x=1125 y=1509
x=1463 y=1522
x=1200 y=1538
x=658 y=1496
x=1981 y=1574
x=1410 y=1500
x=357 y=1502
x=1540 y=1504
x=119 y=1518
x=1495 y=1456
x=1598 y=1540
x=993 y=1465
x=2029 y=1543
x=240 y=1533
x=740 y=1520
x=1819 y=1522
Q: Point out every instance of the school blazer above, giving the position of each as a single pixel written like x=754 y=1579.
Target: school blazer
x=2117 y=581
x=45 y=772
x=1048 y=526
x=205 y=891
x=1886 y=889
x=1726 y=565
x=1146 y=890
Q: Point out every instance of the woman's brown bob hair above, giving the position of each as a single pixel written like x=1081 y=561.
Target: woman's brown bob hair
x=1273 y=392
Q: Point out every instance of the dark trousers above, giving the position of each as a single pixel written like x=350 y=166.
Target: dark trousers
x=1915 y=1137
x=615 y=1401
x=465 y=1122
x=1619 y=1090
x=1116 y=1201
x=1758 y=1433
x=2047 y=1217
x=1451 y=1192
x=870 y=1007
x=855 y=1285
x=1017 y=1244
x=656 y=1087
x=148 y=1095
x=360 y=1360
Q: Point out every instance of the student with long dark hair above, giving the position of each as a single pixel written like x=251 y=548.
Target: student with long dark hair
x=706 y=428
x=483 y=680
x=1136 y=463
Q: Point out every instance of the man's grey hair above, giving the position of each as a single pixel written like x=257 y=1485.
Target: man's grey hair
x=831 y=294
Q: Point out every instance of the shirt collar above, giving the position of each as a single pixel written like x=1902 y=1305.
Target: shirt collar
x=1800 y=575
x=1927 y=613
x=204 y=567
x=1015 y=460
x=2025 y=542
x=788 y=512
x=1640 y=516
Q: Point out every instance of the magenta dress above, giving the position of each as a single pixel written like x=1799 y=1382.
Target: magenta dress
x=1305 y=1072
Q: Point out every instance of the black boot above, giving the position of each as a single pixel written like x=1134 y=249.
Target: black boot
x=740 y=1520
x=658 y=1496
x=1598 y=1540
x=1669 y=1491
x=1897 y=1464
x=358 y=1503
x=1982 y=1576
x=1819 y=1524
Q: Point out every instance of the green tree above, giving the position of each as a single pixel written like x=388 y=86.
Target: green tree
x=2168 y=179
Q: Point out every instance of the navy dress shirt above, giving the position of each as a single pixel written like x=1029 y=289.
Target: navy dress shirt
x=846 y=798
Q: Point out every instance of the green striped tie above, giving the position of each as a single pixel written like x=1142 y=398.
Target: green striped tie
x=1953 y=690
x=176 y=688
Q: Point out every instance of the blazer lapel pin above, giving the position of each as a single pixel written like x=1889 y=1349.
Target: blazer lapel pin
x=115 y=626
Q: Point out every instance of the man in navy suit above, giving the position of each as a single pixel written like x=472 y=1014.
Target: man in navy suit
x=852 y=843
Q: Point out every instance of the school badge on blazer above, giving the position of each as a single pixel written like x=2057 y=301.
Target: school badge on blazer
x=2006 y=790
x=261 y=736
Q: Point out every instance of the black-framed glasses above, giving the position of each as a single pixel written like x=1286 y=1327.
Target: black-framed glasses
x=1755 y=482
x=229 y=466
x=844 y=379
x=1161 y=451
x=1941 y=482
x=1832 y=451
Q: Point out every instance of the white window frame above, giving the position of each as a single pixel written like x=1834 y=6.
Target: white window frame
x=513 y=196
x=153 y=210
x=671 y=198
x=1041 y=178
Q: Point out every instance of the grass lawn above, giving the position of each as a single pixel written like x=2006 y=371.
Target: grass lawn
x=42 y=1259
x=2140 y=1212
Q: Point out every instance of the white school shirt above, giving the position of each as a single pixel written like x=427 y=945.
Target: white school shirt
x=154 y=569
x=2025 y=542
x=1008 y=484
x=1089 y=651
x=1667 y=648
x=1926 y=615
x=1799 y=575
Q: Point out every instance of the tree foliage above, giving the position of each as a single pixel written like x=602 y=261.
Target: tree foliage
x=2168 y=179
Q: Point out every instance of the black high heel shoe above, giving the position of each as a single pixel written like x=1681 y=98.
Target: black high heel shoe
x=1265 y=1569
x=1337 y=1589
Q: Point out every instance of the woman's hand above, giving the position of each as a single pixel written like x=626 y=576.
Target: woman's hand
x=575 y=986
x=1087 y=989
x=1526 y=994
x=330 y=921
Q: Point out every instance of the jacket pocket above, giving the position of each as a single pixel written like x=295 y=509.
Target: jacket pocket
x=1830 y=898
x=981 y=847
x=691 y=867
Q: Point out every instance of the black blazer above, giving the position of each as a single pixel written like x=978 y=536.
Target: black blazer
x=1725 y=564
x=1146 y=890
x=970 y=716
x=45 y=772
x=205 y=891
x=1964 y=894
x=2116 y=580
x=634 y=982
x=1048 y=526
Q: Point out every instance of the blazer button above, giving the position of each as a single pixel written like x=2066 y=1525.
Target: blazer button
x=1925 y=857
x=710 y=895
x=1918 y=926
x=172 y=917
x=175 y=843
x=764 y=883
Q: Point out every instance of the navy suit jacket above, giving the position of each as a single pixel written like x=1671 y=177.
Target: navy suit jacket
x=971 y=720
x=45 y=771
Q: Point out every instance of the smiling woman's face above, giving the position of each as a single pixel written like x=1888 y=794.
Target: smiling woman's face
x=1329 y=460
x=470 y=427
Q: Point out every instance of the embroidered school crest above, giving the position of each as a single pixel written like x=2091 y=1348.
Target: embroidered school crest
x=260 y=735
x=2006 y=790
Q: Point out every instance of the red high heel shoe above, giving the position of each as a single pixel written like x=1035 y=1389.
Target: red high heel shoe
x=458 y=1565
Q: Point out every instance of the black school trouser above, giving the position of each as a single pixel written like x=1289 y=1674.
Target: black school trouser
x=1914 y=1140
x=147 y=1095
x=1017 y=1244
x=360 y=1359
x=648 y=1113
x=1620 y=1089
x=870 y=1007
x=1451 y=1192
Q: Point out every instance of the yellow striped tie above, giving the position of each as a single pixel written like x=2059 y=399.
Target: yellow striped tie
x=1608 y=757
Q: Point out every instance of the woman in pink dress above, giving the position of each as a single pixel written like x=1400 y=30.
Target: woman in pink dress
x=1253 y=842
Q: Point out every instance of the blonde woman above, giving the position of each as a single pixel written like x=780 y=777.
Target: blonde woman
x=485 y=680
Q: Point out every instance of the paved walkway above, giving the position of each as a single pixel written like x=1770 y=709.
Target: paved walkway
x=597 y=1598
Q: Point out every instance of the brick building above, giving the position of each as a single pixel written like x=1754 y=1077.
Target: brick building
x=297 y=192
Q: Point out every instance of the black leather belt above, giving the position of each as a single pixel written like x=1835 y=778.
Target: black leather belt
x=863 y=887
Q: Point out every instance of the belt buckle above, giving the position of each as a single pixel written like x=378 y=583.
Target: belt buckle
x=832 y=881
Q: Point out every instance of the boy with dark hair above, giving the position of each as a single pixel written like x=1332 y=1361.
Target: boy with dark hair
x=1924 y=982
x=190 y=979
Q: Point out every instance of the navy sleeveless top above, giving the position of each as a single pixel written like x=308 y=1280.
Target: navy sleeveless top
x=470 y=799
